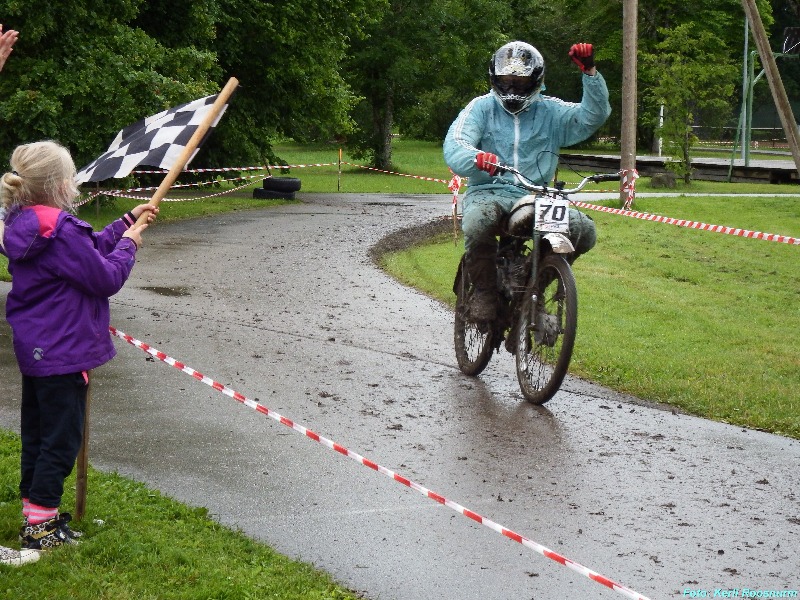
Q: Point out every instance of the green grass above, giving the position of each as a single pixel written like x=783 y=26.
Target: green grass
x=148 y=547
x=700 y=320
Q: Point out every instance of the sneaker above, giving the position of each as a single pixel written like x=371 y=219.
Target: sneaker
x=47 y=535
x=63 y=519
x=16 y=558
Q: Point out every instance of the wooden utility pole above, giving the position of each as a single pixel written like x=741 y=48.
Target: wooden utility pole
x=630 y=37
x=774 y=78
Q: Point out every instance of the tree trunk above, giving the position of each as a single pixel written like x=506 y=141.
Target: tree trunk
x=383 y=119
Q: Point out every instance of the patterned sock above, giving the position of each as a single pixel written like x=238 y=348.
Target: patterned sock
x=39 y=514
x=26 y=508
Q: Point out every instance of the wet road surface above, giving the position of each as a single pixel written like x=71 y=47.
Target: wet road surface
x=285 y=306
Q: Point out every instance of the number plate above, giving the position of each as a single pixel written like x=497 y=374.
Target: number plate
x=552 y=214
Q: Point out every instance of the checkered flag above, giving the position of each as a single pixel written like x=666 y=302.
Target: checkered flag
x=156 y=141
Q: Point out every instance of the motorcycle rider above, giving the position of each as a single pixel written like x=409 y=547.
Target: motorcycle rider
x=515 y=124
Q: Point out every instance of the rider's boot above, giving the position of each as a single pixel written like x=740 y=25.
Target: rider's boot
x=482 y=270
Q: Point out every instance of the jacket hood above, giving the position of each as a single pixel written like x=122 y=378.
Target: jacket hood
x=28 y=230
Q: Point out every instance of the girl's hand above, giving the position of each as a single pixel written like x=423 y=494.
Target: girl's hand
x=135 y=233
x=149 y=208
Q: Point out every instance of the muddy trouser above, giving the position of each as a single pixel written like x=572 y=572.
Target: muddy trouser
x=482 y=214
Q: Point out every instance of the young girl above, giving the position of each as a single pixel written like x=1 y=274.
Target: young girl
x=63 y=274
x=9 y=556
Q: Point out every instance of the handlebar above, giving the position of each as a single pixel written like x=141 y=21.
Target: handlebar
x=543 y=189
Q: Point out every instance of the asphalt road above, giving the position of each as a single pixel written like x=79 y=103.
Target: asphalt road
x=285 y=306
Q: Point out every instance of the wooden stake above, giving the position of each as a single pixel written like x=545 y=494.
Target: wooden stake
x=83 y=459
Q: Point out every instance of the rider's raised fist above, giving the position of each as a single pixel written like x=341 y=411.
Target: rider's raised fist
x=486 y=161
x=583 y=56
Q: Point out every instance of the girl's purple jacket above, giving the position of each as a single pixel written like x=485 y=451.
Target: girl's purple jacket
x=63 y=274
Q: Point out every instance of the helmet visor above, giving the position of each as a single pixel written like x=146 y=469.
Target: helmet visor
x=514 y=85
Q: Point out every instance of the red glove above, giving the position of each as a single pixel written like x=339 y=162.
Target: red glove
x=483 y=160
x=583 y=56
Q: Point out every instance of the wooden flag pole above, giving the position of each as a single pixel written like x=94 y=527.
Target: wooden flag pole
x=83 y=458
x=192 y=145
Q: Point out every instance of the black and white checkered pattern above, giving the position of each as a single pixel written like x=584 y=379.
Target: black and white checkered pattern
x=156 y=141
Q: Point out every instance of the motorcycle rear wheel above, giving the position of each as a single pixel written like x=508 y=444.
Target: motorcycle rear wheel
x=546 y=330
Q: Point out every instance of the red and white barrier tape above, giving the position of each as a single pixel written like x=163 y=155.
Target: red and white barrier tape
x=127 y=193
x=400 y=174
x=118 y=193
x=594 y=576
x=629 y=177
x=124 y=194
x=226 y=169
x=756 y=235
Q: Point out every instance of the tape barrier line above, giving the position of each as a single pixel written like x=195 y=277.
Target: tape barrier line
x=745 y=233
x=331 y=445
x=124 y=194
x=226 y=169
x=457 y=181
x=445 y=181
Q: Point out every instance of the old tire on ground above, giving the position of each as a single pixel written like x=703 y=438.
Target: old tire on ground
x=282 y=184
x=272 y=194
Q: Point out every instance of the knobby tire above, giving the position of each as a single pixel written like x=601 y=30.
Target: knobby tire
x=472 y=341
x=546 y=333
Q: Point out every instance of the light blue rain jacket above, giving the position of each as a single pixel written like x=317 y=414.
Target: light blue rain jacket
x=529 y=141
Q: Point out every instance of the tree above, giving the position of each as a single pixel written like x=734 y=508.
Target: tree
x=83 y=70
x=80 y=72
x=288 y=67
x=692 y=77
x=290 y=72
x=417 y=66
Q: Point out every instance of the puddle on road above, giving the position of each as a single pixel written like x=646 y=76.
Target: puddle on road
x=168 y=291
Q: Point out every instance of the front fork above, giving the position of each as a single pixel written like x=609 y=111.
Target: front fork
x=533 y=289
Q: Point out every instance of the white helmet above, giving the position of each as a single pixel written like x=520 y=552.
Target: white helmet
x=516 y=72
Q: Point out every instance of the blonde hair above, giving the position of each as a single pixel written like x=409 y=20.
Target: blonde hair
x=42 y=173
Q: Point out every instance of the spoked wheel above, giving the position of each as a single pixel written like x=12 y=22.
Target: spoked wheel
x=473 y=341
x=546 y=330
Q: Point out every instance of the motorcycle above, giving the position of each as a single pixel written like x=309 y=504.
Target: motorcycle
x=537 y=318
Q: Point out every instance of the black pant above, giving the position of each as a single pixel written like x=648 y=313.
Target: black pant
x=52 y=416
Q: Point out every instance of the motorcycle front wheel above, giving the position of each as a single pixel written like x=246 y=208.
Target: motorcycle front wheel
x=472 y=340
x=546 y=330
